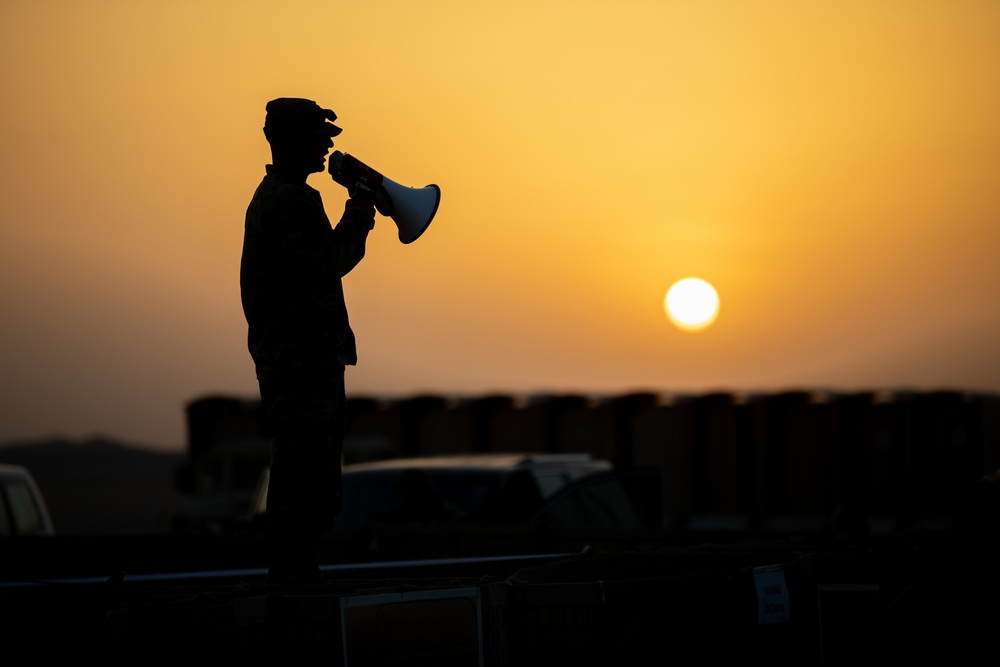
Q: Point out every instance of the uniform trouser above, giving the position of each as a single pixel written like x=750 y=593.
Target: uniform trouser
x=305 y=492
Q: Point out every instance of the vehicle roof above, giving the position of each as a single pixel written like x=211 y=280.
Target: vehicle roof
x=477 y=461
x=12 y=470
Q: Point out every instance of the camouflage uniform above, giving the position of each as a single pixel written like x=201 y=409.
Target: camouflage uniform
x=300 y=340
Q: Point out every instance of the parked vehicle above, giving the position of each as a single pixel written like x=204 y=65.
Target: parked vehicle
x=475 y=488
x=23 y=511
x=626 y=499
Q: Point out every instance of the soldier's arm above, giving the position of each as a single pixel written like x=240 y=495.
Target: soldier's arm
x=311 y=246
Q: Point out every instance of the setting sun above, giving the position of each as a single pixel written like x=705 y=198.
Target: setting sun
x=841 y=199
x=692 y=304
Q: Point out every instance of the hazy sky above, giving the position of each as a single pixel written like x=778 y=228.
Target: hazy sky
x=832 y=168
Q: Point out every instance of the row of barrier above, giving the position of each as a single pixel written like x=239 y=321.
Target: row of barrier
x=779 y=454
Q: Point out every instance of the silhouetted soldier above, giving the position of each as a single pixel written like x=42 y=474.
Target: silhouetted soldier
x=298 y=331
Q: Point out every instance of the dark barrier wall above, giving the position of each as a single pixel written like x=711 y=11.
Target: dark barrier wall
x=783 y=456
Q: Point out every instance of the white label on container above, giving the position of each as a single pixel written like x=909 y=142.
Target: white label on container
x=772 y=595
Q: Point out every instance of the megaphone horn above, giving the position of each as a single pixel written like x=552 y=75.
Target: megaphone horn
x=412 y=209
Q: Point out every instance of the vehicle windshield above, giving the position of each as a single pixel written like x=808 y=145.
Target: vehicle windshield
x=383 y=495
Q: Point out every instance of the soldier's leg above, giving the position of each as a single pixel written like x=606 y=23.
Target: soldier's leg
x=304 y=492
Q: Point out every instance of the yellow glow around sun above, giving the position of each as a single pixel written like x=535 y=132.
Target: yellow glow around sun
x=692 y=304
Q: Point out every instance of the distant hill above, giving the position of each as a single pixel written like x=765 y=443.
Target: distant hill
x=101 y=487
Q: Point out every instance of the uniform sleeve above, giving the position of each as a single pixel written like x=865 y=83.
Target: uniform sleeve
x=310 y=245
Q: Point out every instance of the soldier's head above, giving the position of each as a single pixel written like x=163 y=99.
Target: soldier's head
x=300 y=133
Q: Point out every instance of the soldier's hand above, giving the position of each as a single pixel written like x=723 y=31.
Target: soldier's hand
x=361 y=204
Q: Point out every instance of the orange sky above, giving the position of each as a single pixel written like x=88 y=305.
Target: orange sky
x=831 y=168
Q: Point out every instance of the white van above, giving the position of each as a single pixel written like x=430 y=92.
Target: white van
x=22 y=509
x=481 y=487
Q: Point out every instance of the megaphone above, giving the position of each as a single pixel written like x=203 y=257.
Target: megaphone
x=412 y=209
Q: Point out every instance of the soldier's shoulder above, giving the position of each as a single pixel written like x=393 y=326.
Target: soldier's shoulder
x=275 y=196
x=272 y=188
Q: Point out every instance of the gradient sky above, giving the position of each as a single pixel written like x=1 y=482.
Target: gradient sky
x=831 y=168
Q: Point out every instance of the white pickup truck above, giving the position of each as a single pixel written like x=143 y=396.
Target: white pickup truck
x=22 y=508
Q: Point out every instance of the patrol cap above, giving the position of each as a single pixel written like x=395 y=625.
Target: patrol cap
x=294 y=115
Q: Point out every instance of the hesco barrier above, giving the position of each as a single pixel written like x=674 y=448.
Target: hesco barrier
x=782 y=459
